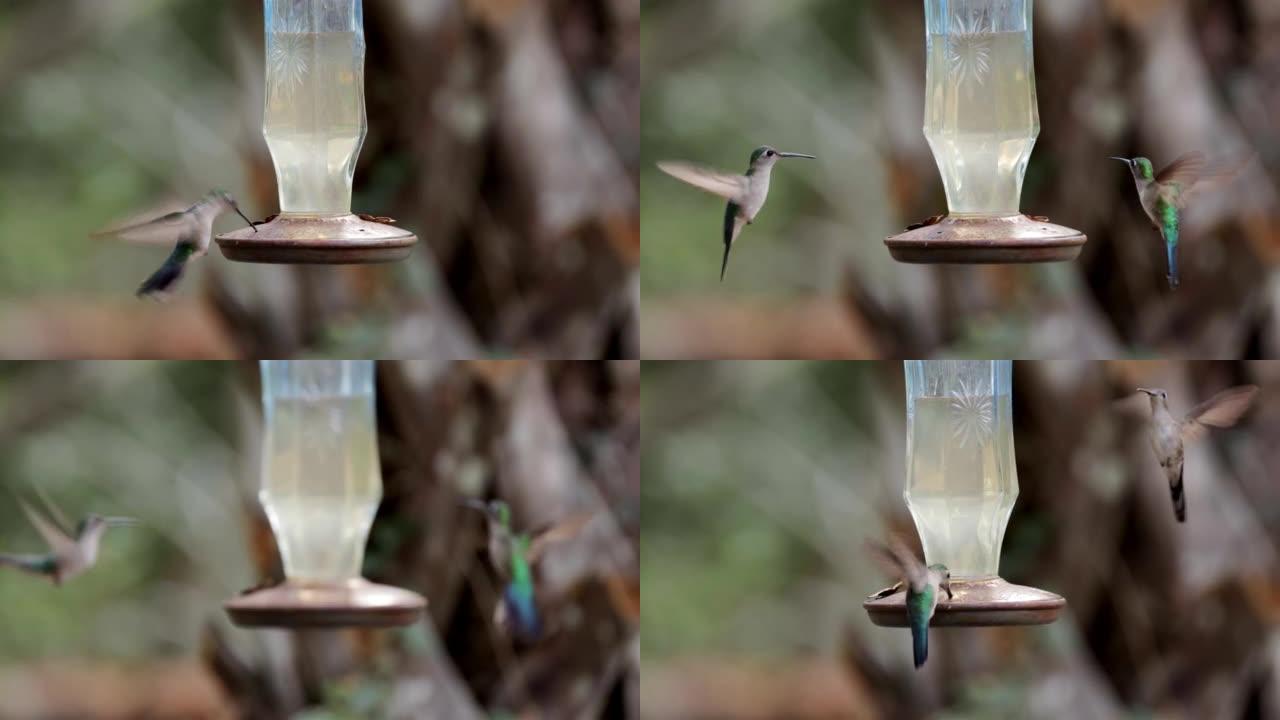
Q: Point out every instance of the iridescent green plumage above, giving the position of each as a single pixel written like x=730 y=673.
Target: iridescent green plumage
x=1164 y=195
x=922 y=586
x=514 y=556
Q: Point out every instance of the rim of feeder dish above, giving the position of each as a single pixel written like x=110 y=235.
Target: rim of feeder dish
x=318 y=240
x=994 y=240
x=354 y=603
x=987 y=602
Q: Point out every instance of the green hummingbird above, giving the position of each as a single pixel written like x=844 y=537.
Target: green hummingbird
x=923 y=585
x=1164 y=196
x=746 y=193
x=191 y=229
x=1169 y=435
x=514 y=556
x=70 y=553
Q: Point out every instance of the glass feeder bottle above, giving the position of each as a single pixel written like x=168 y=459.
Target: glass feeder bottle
x=320 y=488
x=982 y=118
x=315 y=123
x=321 y=484
x=981 y=114
x=961 y=480
x=315 y=120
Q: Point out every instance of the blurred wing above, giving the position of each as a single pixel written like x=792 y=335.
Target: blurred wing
x=1184 y=171
x=59 y=542
x=566 y=529
x=913 y=568
x=885 y=558
x=161 y=226
x=1221 y=410
x=726 y=185
x=63 y=524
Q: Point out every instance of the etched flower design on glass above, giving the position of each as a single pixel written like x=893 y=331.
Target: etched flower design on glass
x=287 y=62
x=972 y=416
x=969 y=48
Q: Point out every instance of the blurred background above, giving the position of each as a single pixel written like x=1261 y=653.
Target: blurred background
x=844 y=80
x=503 y=134
x=761 y=482
x=176 y=445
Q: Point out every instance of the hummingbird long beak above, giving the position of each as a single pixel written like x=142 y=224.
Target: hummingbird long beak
x=475 y=504
x=1148 y=392
x=1123 y=160
x=246 y=219
x=120 y=521
x=796 y=155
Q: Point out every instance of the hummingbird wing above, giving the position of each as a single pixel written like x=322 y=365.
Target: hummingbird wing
x=727 y=185
x=1193 y=173
x=566 y=529
x=59 y=542
x=1221 y=410
x=151 y=229
x=53 y=512
x=1184 y=171
x=897 y=560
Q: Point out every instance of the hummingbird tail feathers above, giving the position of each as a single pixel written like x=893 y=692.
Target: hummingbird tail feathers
x=34 y=564
x=1179 y=498
x=920 y=645
x=1172 y=249
x=522 y=612
x=732 y=226
x=162 y=281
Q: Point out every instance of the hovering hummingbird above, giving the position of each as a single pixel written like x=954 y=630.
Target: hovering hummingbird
x=746 y=193
x=1169 y=435
x=514 y=556
x=923 y=585
x=191 y=229
x=70 y=554
x=1164 y=196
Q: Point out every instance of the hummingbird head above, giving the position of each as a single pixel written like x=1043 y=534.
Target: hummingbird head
x=944 y=577
x=1156 y=395
x=764 y=157
x=228 y=202
x=1141 y=168
x=496 y=510
x=94 y=523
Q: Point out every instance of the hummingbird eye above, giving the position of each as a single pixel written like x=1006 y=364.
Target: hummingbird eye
x=771 y=153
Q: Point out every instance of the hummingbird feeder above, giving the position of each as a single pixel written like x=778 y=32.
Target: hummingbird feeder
x=315 y=125
x=961 y=486
x=321 y=486
x=981 y=121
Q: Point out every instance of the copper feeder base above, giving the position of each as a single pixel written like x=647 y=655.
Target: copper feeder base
x=357 y=603
x=1014 y=239
x=333 y=240
x=975 y=603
